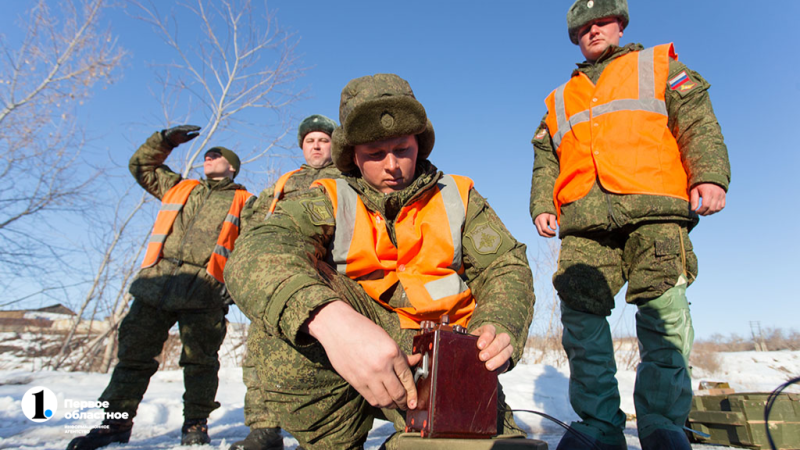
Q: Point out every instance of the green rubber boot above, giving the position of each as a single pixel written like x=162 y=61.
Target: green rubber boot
x=663 y=391
x=593 y=390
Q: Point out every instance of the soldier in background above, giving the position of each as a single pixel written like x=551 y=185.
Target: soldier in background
x=180 y=281
x=343 y=274
x=627 y=151
x=314 y=138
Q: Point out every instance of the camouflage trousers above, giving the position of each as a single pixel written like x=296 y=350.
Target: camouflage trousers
x=649 y=257
x=657 y=261
x=314 y=403
x=256 y=414
x=142 y=334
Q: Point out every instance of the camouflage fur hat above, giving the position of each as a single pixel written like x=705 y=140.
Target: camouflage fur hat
x=229 y=156
x=585 y=11
x=374 y=108
x=315 y=122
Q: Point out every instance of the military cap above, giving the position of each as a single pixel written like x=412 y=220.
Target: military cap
x=584 y=11
x=315 y=122
x=374 y=108
x=229 y=156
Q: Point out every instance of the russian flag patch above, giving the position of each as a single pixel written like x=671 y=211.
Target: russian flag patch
x=678 y=80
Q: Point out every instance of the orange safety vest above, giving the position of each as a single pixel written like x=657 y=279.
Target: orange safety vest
x=278 y=189
x=172 y=203
x=427 y=259
x=616 y=131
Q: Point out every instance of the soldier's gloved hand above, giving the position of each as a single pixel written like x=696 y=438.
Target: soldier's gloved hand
x=180 y=134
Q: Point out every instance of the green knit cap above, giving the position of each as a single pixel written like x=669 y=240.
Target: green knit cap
x=374 y=108
x=229 y=156
x=585 y=11
x=315 y=122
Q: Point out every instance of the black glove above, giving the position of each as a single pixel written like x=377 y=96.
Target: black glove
x=180 y=134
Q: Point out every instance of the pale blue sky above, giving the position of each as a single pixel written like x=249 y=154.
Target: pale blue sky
x=482 y=70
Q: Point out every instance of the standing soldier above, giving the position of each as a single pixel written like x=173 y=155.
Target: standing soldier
x=314 y=137
x=627 y=151
x=180 y=281
x=343 y=274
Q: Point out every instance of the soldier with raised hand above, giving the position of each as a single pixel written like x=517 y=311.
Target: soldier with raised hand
x=181 y=281
x=344 y=273
x=627 y=156
x=314 y=138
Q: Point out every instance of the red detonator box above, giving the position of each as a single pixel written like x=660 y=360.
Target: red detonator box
x=456 y=394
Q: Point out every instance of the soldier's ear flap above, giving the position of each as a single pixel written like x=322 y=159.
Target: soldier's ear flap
x=341 y=153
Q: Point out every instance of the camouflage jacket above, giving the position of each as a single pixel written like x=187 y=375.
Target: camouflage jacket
x=179 y=280
x=703 y=152
x=298 y=182
x=292 y=239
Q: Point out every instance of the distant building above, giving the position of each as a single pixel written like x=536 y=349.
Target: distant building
x=50 y=318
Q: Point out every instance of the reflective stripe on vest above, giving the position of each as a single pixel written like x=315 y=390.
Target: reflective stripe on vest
x=428 y=267
x=171 y=205
x=278 y=190
x=227 y=236
x=616 y=131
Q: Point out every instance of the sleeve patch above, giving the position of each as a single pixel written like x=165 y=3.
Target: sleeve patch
x=682 y=82
x=318 y=211
x=485 y=238
x=540 y=134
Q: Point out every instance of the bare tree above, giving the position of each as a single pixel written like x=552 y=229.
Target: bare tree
x=235 y=78
x=43 y=81
x=238 y=76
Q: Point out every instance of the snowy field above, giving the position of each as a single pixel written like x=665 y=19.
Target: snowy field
x=540 y=387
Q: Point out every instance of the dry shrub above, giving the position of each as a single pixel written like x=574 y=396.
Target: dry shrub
x=705 y=357
x=774 y=338
x=544 y=350
x=171 y=353
x=626 y=352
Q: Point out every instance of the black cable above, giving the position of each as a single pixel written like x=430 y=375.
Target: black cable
x=771 y=401
x=563 y=425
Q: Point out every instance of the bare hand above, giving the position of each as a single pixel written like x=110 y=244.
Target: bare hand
x=546 y=224
x=496 y=349
x=713 y=197
x=365 y=356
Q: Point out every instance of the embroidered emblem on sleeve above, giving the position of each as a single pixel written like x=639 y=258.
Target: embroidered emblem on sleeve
x=318 y=211
x=485 y=239
x=681 y=82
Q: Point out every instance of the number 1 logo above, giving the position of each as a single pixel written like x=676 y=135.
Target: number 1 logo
x=39 y=404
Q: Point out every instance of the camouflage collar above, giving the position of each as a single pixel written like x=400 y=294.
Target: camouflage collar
x=612 y=52
x=222 y=185
x=306 y=166
x=390 y=204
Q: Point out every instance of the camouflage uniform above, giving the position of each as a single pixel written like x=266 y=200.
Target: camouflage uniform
x=278 y=276
x=256 y=414
x=176 y=289
x=610 y=239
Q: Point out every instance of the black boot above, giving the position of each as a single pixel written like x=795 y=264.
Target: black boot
x=195 y=432
x=110 y=432
x=662 y=439
x=575 y=440
x=260 y=439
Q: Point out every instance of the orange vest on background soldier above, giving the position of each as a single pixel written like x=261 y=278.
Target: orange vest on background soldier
x=172 y=204
x=616 y=131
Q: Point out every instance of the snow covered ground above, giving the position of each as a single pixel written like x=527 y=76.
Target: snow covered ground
x=541 y=387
